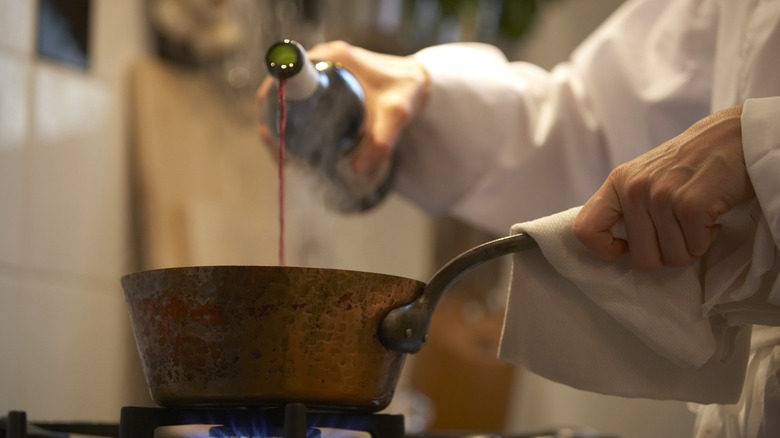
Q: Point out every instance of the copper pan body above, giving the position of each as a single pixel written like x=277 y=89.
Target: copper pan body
x=266 y=336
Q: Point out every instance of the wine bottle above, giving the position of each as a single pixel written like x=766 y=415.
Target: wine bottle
x=325 y=116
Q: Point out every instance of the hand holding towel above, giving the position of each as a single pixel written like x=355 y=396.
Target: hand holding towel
x=602 y=327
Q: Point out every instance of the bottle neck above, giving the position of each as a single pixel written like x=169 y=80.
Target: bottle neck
x=303 y=84
x=287 y=60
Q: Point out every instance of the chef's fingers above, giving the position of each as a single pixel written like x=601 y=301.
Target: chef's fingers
x=391 y=114
x=370 y=157
x=699 y=242
x=263 y=129
x=261 y=97
x=262 y=92
x=353 y=58
x=699 y=237
x=633 y=187
x=266 y=136
x=670 y=237
x=594 y=223
x=331 y=50
x=698 y=222
x=642 y=236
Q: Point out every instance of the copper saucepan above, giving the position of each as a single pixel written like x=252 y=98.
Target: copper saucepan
x=266 y=336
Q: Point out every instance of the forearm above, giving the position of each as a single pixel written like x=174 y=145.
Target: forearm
x=499 y=142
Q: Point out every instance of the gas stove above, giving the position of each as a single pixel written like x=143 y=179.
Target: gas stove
x=291 y=421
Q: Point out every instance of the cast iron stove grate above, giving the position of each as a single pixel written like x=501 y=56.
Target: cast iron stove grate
x=292 y=421
x=15 y=425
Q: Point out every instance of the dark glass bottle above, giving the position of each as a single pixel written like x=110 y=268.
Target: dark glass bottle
x=324 y=125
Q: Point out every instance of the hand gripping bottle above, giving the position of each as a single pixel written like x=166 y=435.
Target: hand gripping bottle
x=324 y=125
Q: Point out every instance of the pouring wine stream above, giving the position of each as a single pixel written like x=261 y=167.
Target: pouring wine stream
x=281 y=120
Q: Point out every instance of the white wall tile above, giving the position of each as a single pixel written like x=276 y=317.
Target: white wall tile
x=68 y=105
x=14 y=204
x=16 y=25
x=14 y=102
x=14 y=123
x=68 y=358
x=119 y=36
x=11 y=340
x=75 y=183
x=14 y=112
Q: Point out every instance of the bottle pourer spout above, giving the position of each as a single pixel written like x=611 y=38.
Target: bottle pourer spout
x=285 y=59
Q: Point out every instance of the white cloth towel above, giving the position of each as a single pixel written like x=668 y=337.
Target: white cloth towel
x=605 y=328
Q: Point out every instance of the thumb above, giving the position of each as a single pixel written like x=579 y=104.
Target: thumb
x=594 y=224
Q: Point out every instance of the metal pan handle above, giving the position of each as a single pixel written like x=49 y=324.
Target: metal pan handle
x=405 y=328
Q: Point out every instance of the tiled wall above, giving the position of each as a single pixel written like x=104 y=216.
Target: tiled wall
x=64 y=350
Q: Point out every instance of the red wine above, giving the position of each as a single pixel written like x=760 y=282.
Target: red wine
x=281 y=127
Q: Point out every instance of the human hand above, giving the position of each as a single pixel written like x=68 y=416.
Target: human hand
x=395 y=87
x=670 y=197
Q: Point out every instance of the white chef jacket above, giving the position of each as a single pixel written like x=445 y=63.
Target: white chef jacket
x=500 y=143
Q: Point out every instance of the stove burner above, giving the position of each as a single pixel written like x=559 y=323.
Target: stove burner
x=294 y=421
x=233 y=432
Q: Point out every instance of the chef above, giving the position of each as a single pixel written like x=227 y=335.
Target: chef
x=665 y=120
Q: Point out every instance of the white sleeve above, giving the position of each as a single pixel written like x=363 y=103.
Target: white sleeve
x=754 y=296
x=494 y=129
x=758 y=284
x=761 y=145
x=502 y=142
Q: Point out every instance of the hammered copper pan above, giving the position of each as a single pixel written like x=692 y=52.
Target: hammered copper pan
x=266 y=336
